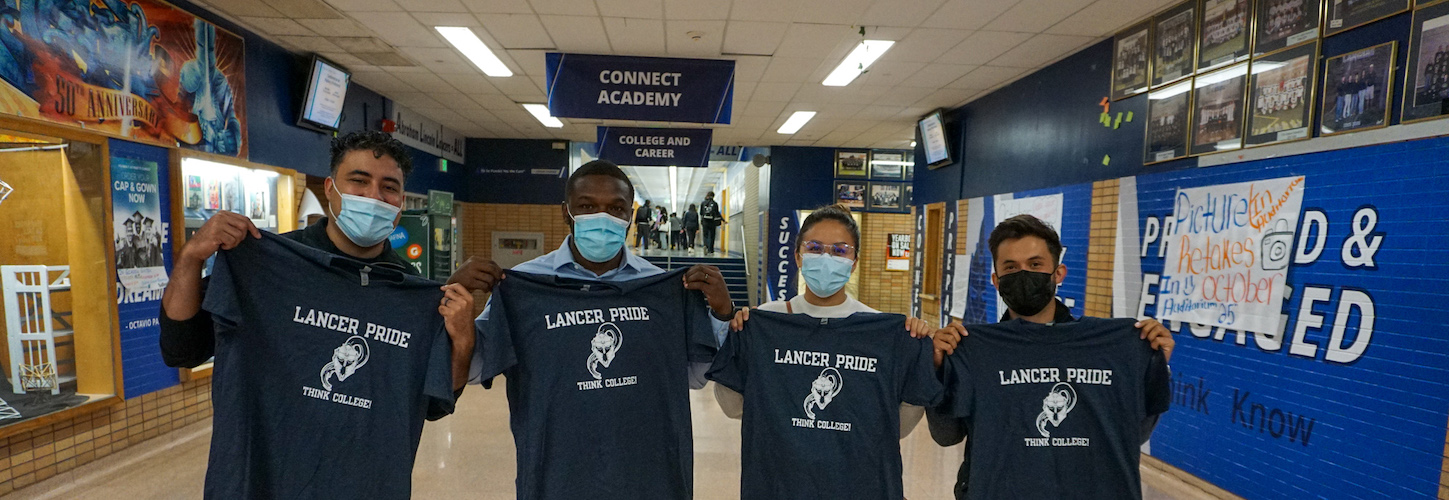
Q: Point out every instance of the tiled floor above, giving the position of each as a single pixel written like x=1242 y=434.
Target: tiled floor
x=470 y=455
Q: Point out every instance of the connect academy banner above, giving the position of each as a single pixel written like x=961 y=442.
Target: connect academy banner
x=143 y=70
x=659 y=89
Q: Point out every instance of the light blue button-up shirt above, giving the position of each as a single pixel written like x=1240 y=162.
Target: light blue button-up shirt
x=561 y=263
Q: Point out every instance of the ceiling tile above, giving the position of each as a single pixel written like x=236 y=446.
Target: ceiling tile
x=431 y=5
x=415 y=100
x=790 y=69
x=426 y=82
x=753 y=37
x=937 y=75
x=926 y=44
x=530 y=62
x=815 y=40
x=641 y=9
x=516 y=31
x=1035 y=16
x=764 y=108
x=302 y=9
x=469 y=83
x=518 y=88
x=348 y=61
x=577 y=33
x=743 y=91
x=565 y=7
x=363 y=5
x=380 y=81
x=361 y=44
x=698 y=10
x=399 y=29
x=498 y=6
x=945 y=98
x=334 y=27
x=844 y=12
x=277 y=26
x=431 y=19
x=902 y=96
x=493 y=101
x=253 y=8
x=983 y=46
x=679 y=42
x=762 y=10
x=750 y=68
x=1040 y=50
x=899 y=12
x=774 y=92
x=633 y=36
x=392 y=59
x=1105 y=17
x=309 y=43
x=967 y=14
x=888 y=72
x=986 y=77
x=441 y=61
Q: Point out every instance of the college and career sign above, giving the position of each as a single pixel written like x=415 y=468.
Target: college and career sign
x=142 y=70
x=656 y=89
x=659 y=147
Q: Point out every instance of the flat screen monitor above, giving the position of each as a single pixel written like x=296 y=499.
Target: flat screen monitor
x=933 y=140
x=326 y=89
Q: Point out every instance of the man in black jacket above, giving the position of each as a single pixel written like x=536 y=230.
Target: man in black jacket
x=691 y=226
x=711 y=218
x=643 y=225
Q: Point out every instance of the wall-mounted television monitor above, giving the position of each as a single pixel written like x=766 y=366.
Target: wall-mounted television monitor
x=933 y=140
x=326 y=89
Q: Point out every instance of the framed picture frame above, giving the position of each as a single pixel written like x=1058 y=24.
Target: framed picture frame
x=887 y=196
x=887 y=165
x=1426 y=80
x=1344 y=15
x=1174 y=44
x=1218 y=110
x=1131 y=60
x=910 y=199
x=852 y=163
x=850 y=193
x=1358 y=90
x=1286 y=23
x=1168 y=115
x=1281 y=96
x=1226 y=33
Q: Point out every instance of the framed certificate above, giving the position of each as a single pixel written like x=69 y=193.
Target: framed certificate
x=1358 y=88
x=1344 y=15
x=1224 y=37
x=1174 y=43
x=1281 y=100
x=1426 y=85
x=1217 y=110
x=1285 y=23
x=1130 y=61
x=1167 y=120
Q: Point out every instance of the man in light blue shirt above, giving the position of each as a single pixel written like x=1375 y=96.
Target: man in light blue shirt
x=599 y=201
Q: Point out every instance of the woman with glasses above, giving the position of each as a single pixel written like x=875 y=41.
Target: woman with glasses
x=826 y=253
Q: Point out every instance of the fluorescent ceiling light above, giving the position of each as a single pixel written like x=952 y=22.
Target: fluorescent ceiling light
x=913 y=144
x=468 y=43
x=891 y=162
x=796 y=121
x=541 y=112
x=856 y=63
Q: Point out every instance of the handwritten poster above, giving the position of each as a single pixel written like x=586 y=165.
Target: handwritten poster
x=1227 y=259
x=1047 y=208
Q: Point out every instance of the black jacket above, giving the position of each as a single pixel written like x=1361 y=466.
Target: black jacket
x=709 y=213
x=691 y=220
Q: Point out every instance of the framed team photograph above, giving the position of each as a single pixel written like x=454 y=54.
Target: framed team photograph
x=1129 y=60
x=850 y=193
x=1281 y=100
x=1357 y=89
x=851 y=163
x=1217 y=110
x=1426 y=85
x=1225 y=33
x=887 y=196
x=1167 y=119
x=1344 y=15
x=887 y=165
x=1174 y=43
x=1285 y=23
x=910 y=198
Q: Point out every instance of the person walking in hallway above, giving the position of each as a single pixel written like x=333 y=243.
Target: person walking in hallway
x=691 y=226
x=711 y=218
x=643 y=225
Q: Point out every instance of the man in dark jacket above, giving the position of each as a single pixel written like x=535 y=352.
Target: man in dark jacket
x=643 y=225
x=711 y=218
x=691 y=226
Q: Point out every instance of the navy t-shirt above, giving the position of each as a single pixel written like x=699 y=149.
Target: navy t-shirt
x=598 y=382
x=822 y=402
x=323 y=378
x=1055 y=411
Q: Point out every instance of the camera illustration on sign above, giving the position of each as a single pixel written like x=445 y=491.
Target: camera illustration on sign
x=1055 y=407
x=346 y=359
x=603 y=347
x=823 y=390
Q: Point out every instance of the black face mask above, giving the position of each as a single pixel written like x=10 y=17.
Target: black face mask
x=1026 y=292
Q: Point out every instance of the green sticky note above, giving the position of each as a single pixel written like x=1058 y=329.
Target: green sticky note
x=1117 y=123
x=1106 y=159
x=1129 y=116
x=1106 y=120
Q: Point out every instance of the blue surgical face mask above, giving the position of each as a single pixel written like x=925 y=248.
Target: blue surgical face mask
x=825 y=274
x=599 y=237
x=365 y=221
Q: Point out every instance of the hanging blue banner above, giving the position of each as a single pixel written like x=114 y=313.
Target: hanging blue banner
x=781 y=285
x=662 y=147
x=657 y=89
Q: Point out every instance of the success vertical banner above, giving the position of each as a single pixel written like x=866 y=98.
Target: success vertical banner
x=660 y=89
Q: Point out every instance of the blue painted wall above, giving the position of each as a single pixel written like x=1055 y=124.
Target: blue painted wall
x=518 y=171
x=801 y=178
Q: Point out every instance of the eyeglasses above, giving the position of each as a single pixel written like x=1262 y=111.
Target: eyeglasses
x=838 y=249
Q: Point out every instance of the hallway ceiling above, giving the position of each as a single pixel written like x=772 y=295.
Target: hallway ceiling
x=948 y=52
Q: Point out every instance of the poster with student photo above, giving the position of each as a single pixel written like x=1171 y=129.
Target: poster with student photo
x=1217 y=110
x=1344 y=15
x=1167 y=120
x=850 y=194
x=890 y=166
x=1357 y=89
x=1285 y=23
x=1224 y=36
x=851 y=163
x=1427 y=81
x=137 y=224
x=1174 y=43
x=1282 y=101
x=887 y=196
x=1129 y=61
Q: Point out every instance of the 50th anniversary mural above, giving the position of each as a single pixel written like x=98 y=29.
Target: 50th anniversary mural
x=143 y=70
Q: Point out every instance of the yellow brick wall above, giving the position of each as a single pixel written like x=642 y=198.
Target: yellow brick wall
x=478 y=221
x=41 y=453
x=1101 y=246
x=887 y=291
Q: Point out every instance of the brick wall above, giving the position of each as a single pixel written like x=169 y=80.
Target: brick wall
x=1101 y=247
x=40 y=453
x=478 y=221
x=887 y=291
